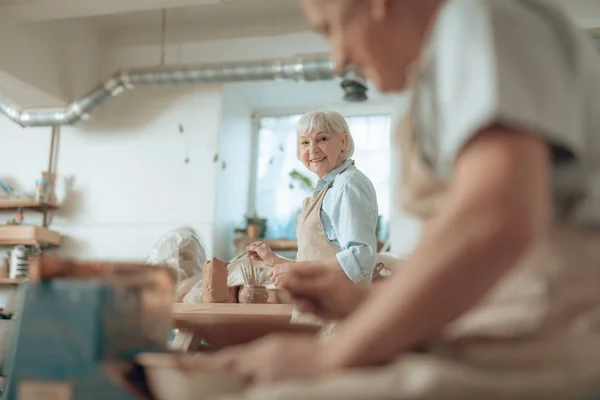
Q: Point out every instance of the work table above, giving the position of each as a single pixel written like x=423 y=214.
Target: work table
x=220 y=312
x=224 y=325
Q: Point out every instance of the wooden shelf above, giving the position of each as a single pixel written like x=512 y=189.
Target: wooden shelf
x=27 y=204
x=13 y=235
x=283 y=244
x=8 y=281
x=292 y=245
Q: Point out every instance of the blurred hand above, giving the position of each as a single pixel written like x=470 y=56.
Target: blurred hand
x=325 y=292
x=278 y=273
x=261 y=251
x=275 y=358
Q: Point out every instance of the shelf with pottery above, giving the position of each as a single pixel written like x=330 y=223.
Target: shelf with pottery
x=27 y=204
x=14 y=235
x=9 y=281
x=283 y=244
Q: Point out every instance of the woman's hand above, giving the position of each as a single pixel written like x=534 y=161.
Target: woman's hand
x=325 y=292
x=276 y=358
x=280 y=272
x=261 y=251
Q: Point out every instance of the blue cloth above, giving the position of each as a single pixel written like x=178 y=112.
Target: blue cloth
x=349 y=216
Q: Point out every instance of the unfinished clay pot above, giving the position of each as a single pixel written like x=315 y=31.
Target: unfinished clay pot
x=214 y=282
x=253 y=295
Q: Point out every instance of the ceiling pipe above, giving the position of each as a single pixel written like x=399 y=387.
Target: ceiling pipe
x=310 y=67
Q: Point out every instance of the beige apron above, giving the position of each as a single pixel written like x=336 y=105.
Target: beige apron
x=535 y=336
x=313 y=244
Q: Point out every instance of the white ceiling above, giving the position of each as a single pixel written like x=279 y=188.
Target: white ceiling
x=238 y=18
x=207 y=19
x=199 y=19
x=45 y=10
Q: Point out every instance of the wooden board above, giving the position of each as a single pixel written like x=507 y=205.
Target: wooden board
x=12 y=235
x=224 y=325
x=283 y=244
x=292 y=245
x=27 y=204
x=8 y=281
x=217 y=312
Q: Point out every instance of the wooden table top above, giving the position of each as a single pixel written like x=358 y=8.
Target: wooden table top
x=224 y=325
x=220 y=312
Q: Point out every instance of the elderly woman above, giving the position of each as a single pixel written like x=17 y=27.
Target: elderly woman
x=337 y=225
x=498 y=149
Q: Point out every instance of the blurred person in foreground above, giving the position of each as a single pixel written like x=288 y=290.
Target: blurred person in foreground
x=498 y=151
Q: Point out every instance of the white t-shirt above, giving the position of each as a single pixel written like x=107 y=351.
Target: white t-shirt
x=522 y=64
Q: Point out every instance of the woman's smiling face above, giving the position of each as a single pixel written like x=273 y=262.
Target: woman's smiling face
x=321 y=152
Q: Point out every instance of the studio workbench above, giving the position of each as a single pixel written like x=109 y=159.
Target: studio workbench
x=223 y=325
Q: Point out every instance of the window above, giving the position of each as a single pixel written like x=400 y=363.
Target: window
x=282 y=181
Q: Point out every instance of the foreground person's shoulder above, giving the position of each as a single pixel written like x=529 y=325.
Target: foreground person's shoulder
x=502 y=14
x=482 y=68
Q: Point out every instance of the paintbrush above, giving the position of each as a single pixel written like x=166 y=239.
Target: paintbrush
x=243 y=254
x=253 y=272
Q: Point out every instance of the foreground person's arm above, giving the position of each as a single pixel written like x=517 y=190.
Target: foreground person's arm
x=323 y=291
x=498 y=203
x=280 y=272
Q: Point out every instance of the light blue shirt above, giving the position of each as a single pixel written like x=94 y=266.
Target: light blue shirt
x=349 y=216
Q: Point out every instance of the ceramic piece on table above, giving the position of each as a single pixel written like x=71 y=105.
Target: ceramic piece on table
x=234 y=294
x=279 y=296
x=214 y=282
x=179 y=376
x=250 y=294
x=272 y=296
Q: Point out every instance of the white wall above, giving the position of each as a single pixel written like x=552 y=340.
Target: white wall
x=124 y=172
x=233 y=171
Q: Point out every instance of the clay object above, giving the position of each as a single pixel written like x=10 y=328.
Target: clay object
x=279 y=296
x=233 y=294
x=187 y=377
x=253 y=295
x=214 y=283
x=272 y=297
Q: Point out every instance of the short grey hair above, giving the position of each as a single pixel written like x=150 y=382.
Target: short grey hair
x=325 y=121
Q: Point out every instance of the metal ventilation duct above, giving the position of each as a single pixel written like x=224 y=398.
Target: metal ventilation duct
x=312 y=67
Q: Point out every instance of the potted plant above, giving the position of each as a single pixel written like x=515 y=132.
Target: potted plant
x=302 y=181
x=256 y=226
